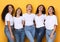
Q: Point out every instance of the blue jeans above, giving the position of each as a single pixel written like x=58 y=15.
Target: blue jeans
x=6 y=30
x=30 y=32
x=19 y=35
x=48 y=33
x=39 y=32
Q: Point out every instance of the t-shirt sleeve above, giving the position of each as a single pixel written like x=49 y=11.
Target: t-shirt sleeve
x=56 y=22
x=34 y=16
x=7 y=17
x=45 y=17
x=23 y=17
x=13 y=19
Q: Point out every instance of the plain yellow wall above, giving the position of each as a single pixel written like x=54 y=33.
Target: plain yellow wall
x=35 y=3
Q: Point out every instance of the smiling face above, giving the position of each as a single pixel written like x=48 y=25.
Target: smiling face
x=40 y=8
x=18 y=11
x=51 y=10
x=29 y=7
x=10 y=9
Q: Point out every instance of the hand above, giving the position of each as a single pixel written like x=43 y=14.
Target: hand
x=12 y=36
x=51 y=36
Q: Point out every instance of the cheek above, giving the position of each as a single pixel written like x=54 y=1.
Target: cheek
x=29 y=8
x=50 y=11
x=10 y=10
x=40 y=8
x=18 y=12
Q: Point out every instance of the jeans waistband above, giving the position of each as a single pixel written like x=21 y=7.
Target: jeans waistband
x=41 y=27
x=30 y=26
x=49 y=30
x=7 y=26
x=19 y=29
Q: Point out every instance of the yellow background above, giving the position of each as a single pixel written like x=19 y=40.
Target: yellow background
x=35 y=3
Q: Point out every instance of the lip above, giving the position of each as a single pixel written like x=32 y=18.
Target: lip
x=29 y=9
x=49 y=11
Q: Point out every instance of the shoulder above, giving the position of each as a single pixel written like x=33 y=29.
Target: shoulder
x=7 y=14
x=36 y=15
x=44 y=15
x=32 y=13
x=24 y=14
x=21 y=17
x=14 y=17
x=54 y=16
x=47 y=16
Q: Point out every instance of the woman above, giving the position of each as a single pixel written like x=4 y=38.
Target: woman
x=18 y=25
x=7 y=17
x=51 y=24
x=39 y=22
x=29 y=23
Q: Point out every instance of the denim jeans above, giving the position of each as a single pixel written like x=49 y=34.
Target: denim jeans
x=39 y=33
x=48 y=33
x=6 y=30
x=30 y=32
x=19 y=35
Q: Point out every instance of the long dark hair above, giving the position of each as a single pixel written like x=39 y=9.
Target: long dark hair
x=53 y=9
x=43 y=12
x=16 y=12
x=5 y=11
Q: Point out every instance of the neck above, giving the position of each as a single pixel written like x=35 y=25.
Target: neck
x=9 y=12
x=40 y=13
x=17 y=15
x=28 y=12
x=51 y=14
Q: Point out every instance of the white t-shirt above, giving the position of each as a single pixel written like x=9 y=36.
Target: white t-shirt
x=50 y=22
x=18 y=22
x=8 y=17
x=39 y=20
x=28 y=18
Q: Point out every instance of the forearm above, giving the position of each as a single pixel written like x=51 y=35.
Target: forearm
x=54 y=29
x=23 y=23
x=10 y=30
x=9 y=27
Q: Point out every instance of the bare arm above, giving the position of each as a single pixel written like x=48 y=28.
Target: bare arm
x=23 y=22
x=55 y=26
x=9 y=27
x=52 y=34
x=34 y=23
